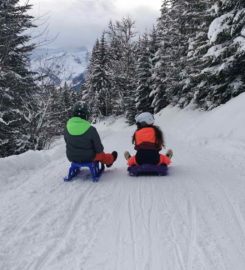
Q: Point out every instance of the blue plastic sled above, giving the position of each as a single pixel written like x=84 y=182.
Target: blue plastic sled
x=96 y=169
x=148 y=169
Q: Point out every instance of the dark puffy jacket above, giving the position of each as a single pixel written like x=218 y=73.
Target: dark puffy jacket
x=82 y=140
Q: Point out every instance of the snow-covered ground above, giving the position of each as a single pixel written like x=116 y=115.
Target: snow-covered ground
x=192 y=219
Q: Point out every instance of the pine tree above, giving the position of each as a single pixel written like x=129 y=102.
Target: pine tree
x=16 y=82
x=153 y=45
x=123 y=64
x=180 y=30
x=104 y=93
x=115 y=52
x=223 y=74
x=184 y=22
x=143 y=70
x=153 y=48
x=161 y=61
x=159 y=94
x=198 y=16
x=97 y=85
x=86 y=87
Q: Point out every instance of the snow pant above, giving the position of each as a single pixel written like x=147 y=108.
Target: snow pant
x=148 y=157
x=104 y=158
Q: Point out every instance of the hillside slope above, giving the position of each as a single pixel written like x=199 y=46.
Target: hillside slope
x=194 y=218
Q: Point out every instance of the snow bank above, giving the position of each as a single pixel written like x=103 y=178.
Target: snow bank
x=222 y=128
x=17 y=165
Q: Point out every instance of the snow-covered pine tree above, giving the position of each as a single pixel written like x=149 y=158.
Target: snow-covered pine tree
x=172 y=30
x=153 y=48
x=185 y=20
x=179 y=27
x=97 y=85
x=161 y=61
x=179 y=33
x=129 y=64
x=117 y=80
x=16 y=82
x=143 y=71
x=159 y=93
x=198 y=16
x=87 y=87
x=105 y=100
x=123 y=63
x=223 y=76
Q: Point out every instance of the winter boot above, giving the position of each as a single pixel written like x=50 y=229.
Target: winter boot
x=114 y=153
x=127 y=155
x=169 y=153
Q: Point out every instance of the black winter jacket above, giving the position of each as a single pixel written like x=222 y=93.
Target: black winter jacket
x=82 y=141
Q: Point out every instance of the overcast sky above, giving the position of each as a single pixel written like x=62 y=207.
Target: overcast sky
x=79 y=22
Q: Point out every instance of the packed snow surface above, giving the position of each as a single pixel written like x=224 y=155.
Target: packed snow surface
x=194 y=218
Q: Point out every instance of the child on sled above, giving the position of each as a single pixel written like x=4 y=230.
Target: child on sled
x=83 y=143
x=149 y=141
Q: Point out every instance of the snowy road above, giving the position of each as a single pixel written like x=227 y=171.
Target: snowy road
x=193 y=219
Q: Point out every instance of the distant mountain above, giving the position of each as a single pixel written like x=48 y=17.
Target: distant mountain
x=61 y=65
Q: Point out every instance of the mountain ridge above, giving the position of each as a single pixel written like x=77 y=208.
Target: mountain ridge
x=61 y=65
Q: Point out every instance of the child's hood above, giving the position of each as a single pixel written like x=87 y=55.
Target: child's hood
x=77 y=126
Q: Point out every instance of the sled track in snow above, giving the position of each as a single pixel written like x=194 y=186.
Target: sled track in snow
x=193 y=240
x=68 y=228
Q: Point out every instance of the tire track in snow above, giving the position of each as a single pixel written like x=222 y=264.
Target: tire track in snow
x=118 y=209
x=193 y=237
x=35 y=213
x=236 y=212
x=191 y=210
x=132 y=230
x=148 y=228
x=26 y=218
x=50 y=251
x=216 y=196
x=98 y=223
x=237 y=215
x=85 y=229
x=177 y=248
x=219 y=192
